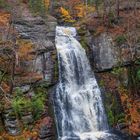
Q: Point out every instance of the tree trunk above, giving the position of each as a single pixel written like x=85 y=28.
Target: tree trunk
x=118 y=8
x=105 y=17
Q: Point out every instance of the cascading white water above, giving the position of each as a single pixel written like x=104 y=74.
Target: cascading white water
x=79 y=109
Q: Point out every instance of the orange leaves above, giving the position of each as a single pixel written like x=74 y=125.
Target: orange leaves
x=117 y=30
x=74 y=2
x=25 y=50
x=5 y=87
x=135 y=117
x=4 y=24
x=100 y=29
x=4 y=19
x=131 y=107
x=26 y=135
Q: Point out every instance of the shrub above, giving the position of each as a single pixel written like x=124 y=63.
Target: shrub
x=22 y=104
x=38 y=105
x=121 y=39
x=111 y=17
x=37 y=6
x=4 y=4
x=117 y=71
x=138 y=75
x=112 y=109
x=138 y=39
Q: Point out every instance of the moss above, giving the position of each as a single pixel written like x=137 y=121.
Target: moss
x=55 y=66
x=138 y=39
x=112 y=106
x=56 y=73
x=134 y=78
x=117 y=71
x=81 y=31
x=138 y=75
x=83 y=43
x=101 y=83
x=138 y=110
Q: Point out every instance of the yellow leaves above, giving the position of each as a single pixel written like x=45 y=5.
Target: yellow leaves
x=64 y=12
x=79 y=10
x=82 y=10
x=47 y=3
x=66 y=15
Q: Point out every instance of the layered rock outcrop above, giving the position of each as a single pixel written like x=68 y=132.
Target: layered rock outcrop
x=35 y=67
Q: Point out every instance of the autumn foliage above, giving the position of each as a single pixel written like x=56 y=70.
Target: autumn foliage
x=75 y=9
x=4 y=18
x=132 y=111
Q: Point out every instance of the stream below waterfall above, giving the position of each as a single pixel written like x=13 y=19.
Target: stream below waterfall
x=79 y=109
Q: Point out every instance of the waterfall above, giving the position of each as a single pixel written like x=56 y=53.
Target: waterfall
x=79 y=108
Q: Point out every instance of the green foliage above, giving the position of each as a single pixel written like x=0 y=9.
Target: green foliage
x=101 y=83
x=137 y=62
x=138 y=110
x=22 y=104
x=18 y=92
x=3 y=4
x=121 y=39
x=113 y=115
x=3 y=76
x=56 y=70
x=138 y=39
x=37 y=6
x=111 y=17
x=1 y=129
x=110 y=117
x=83 y=43
x=117 y=71
x=37 y=105
x=138 y=74
x=95 y=2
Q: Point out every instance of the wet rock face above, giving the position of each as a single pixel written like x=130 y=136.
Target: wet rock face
x=42 y=34
x=106 y=54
